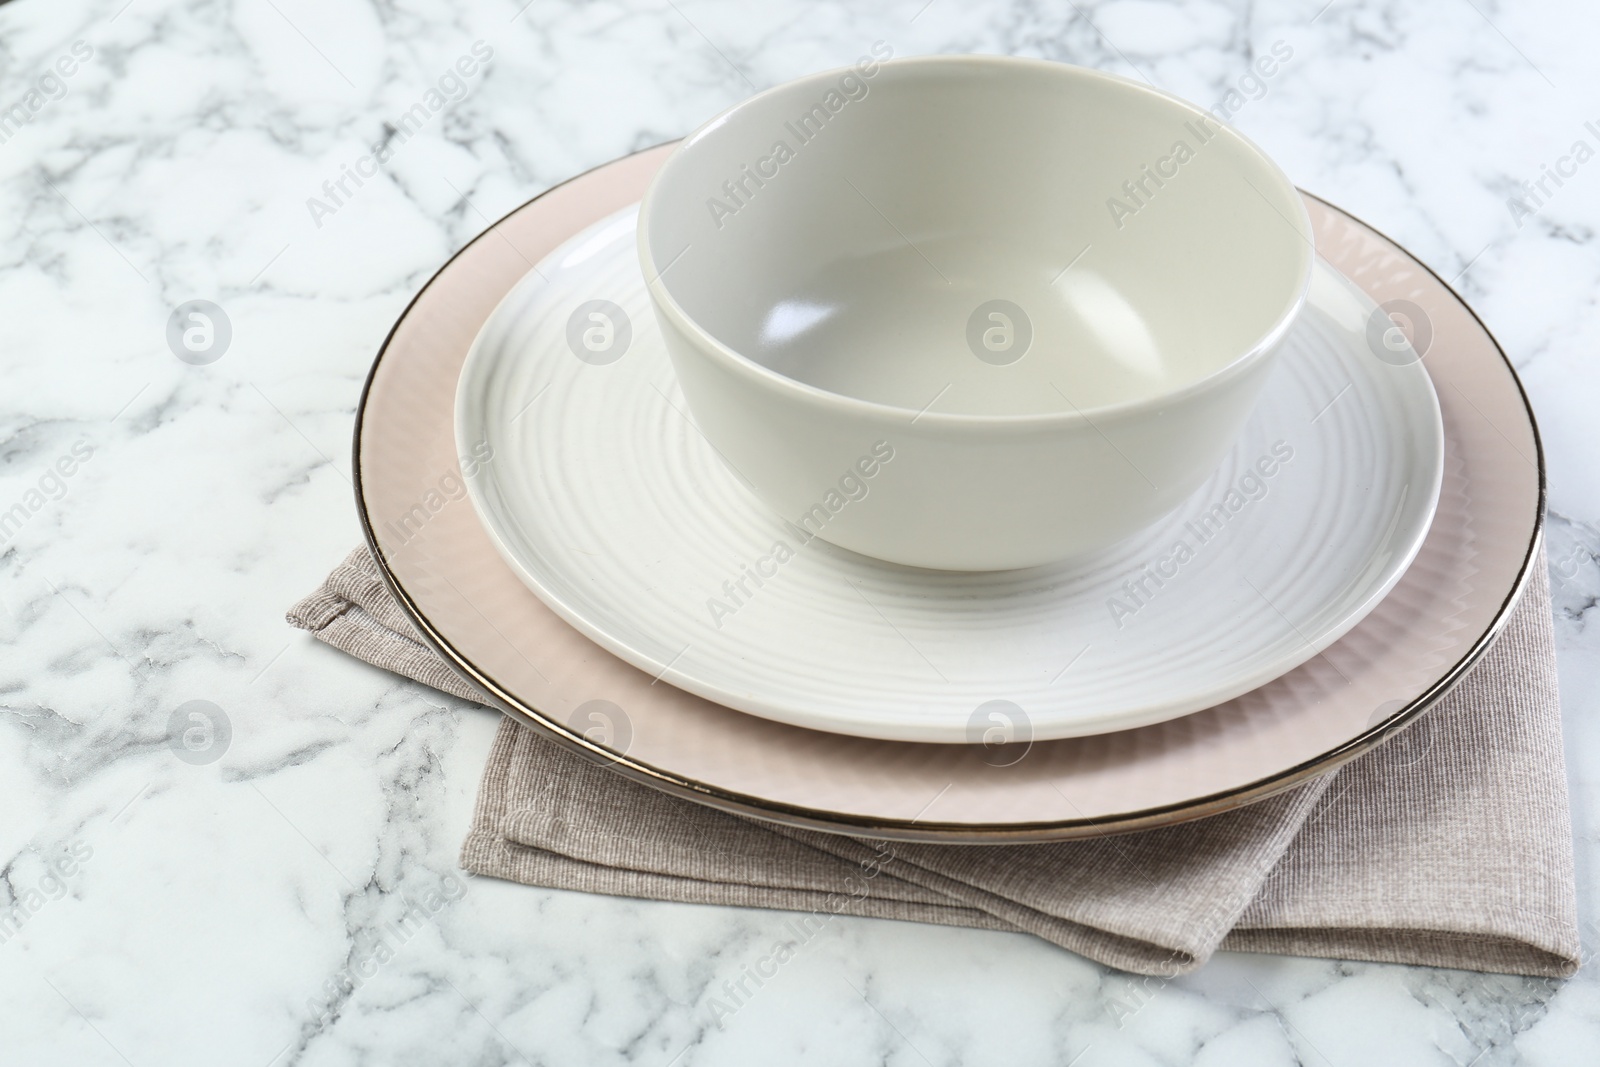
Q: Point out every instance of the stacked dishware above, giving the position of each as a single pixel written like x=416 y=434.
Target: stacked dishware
x=955 y=448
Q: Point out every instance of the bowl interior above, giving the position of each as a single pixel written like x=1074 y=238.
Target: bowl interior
x=995 y=236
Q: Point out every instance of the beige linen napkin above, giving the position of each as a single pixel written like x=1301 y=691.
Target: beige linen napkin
x=1451 y=845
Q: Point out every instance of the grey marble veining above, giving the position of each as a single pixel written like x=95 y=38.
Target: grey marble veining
x=295 y=899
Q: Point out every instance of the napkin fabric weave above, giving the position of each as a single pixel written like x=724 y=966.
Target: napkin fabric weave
x=1451 y=845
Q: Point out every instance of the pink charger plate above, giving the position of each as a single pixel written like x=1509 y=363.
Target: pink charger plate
x=447 y=576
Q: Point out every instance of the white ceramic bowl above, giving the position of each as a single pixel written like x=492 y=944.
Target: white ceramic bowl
x=967 y=312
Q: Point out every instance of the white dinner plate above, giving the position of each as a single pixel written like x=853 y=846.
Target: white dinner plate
x=600 y=494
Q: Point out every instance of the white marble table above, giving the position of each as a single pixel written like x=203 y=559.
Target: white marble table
x=163 y=912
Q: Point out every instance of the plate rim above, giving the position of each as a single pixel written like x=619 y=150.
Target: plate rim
x=522 y=558
x=935 y=831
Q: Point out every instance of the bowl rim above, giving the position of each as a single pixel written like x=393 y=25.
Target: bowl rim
x=776 y=382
